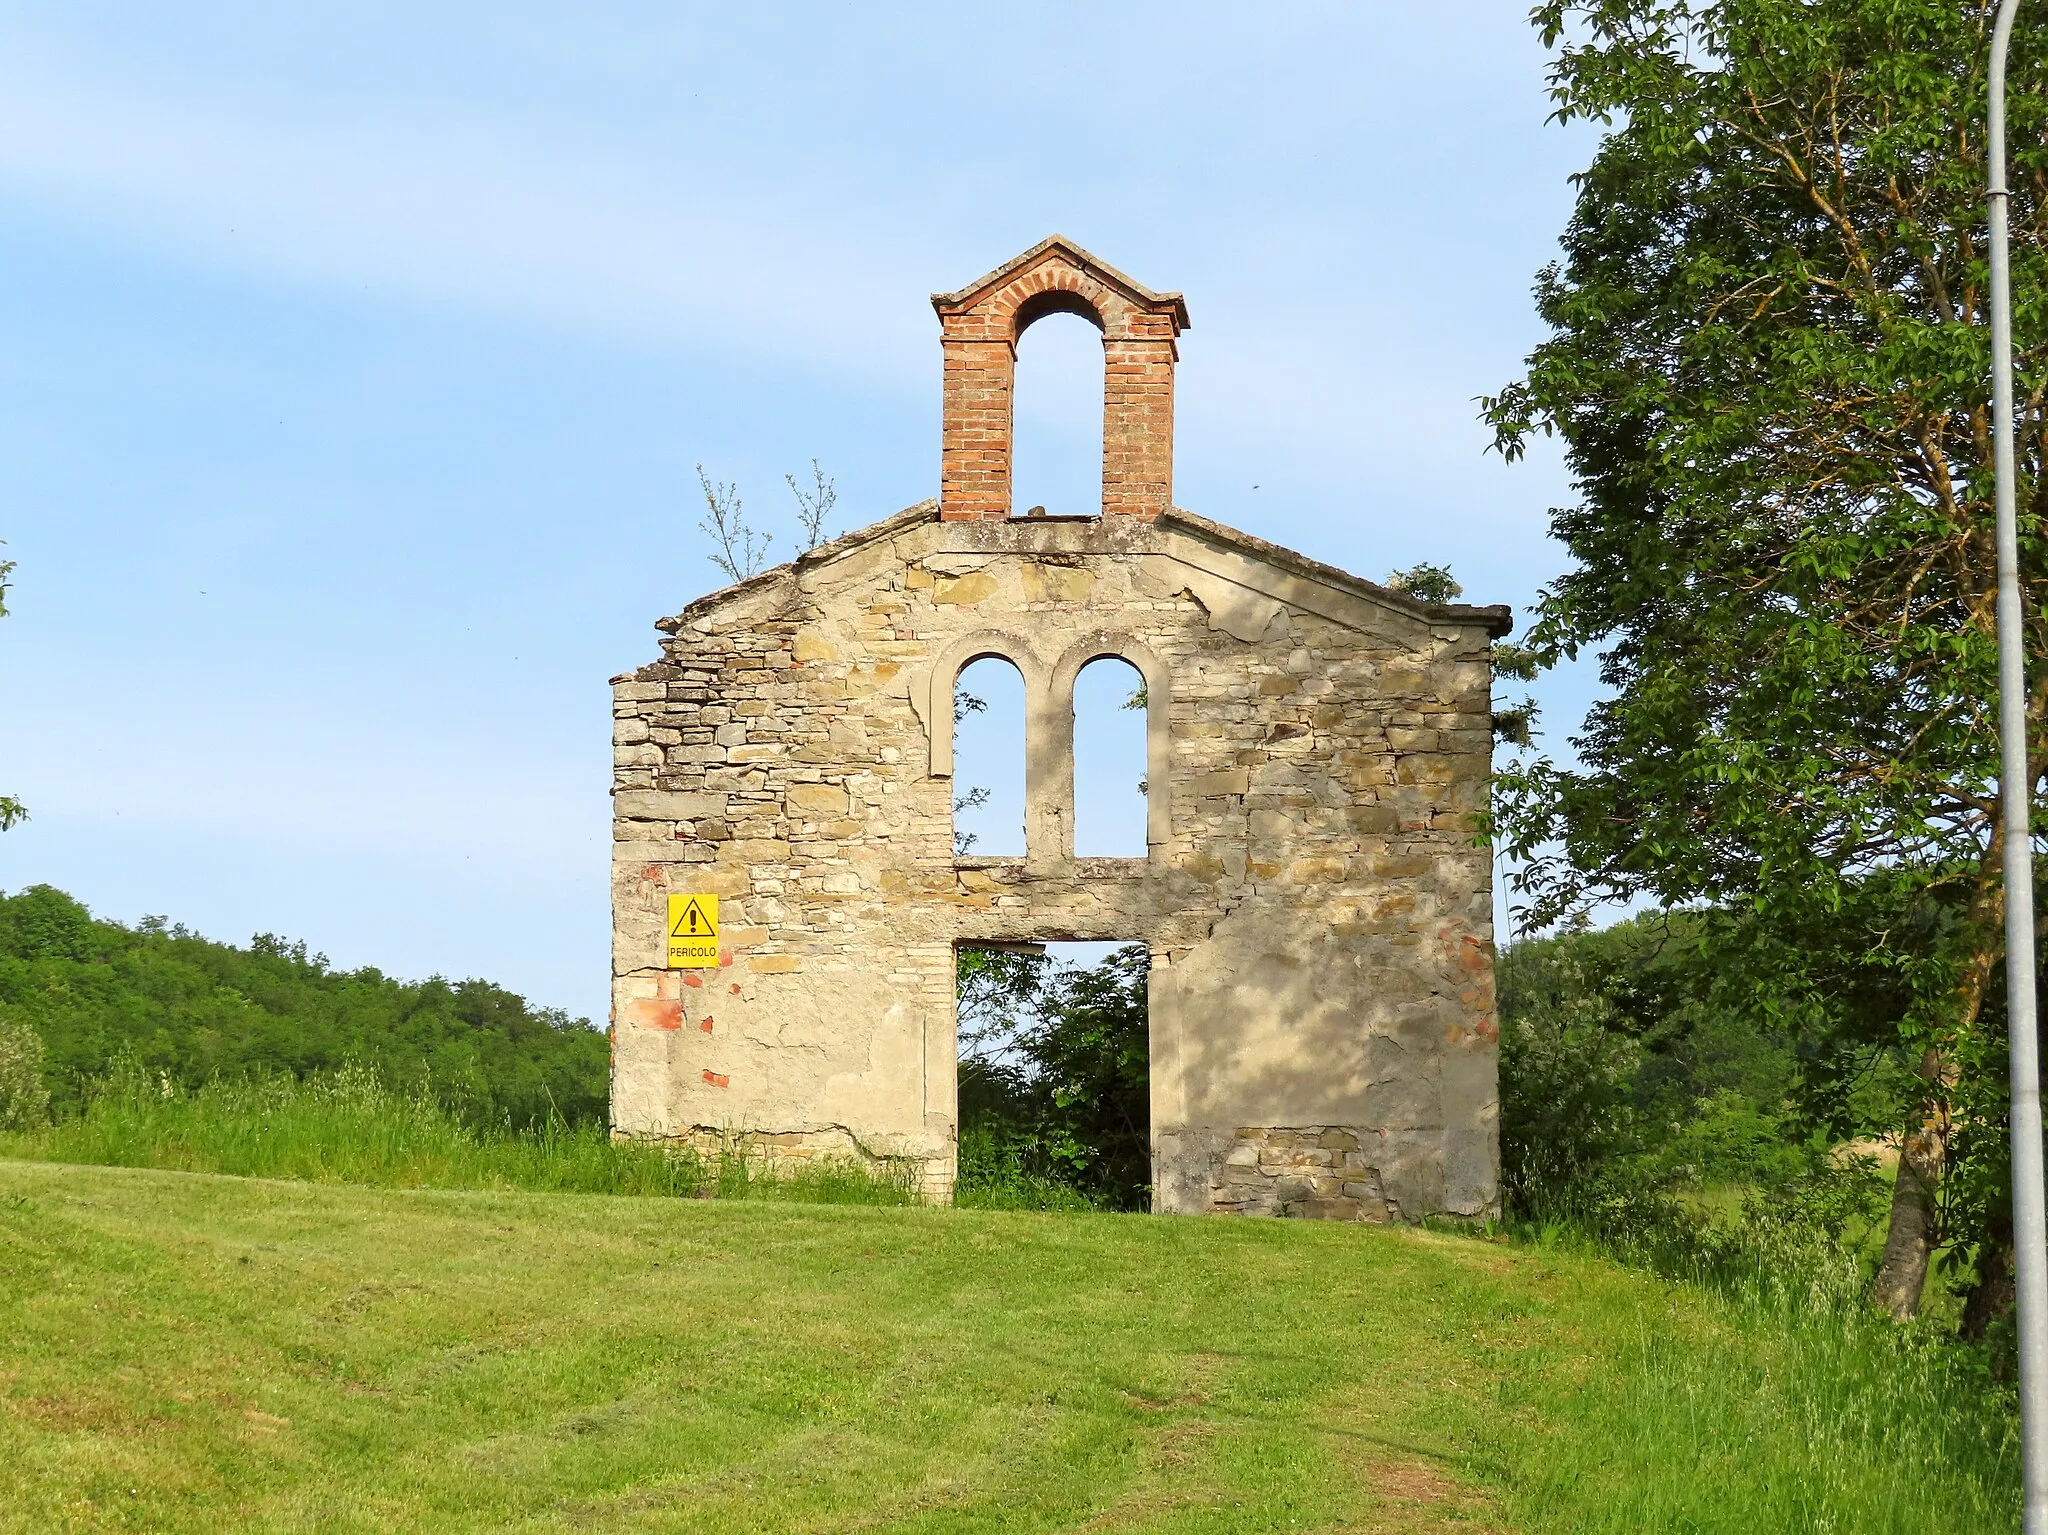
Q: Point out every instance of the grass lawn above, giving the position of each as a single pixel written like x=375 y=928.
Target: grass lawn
x=190 y=1352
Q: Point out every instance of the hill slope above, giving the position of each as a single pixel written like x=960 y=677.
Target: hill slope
x=192 y=1008
x=182 y=1352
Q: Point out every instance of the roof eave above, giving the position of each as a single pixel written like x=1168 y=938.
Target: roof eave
x=1498 y=619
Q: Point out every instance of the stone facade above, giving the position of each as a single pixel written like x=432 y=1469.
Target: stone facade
x=1317 y=910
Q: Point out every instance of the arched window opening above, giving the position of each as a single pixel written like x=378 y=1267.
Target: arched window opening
x=1110 y=788
x=988 y=760
x=1056 y=441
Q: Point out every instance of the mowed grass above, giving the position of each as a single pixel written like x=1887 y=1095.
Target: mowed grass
x=194 y=1352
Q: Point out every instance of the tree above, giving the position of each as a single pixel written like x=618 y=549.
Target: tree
x=92 y=993
x=1769 y=363
x=12 y=811
x=1620 y=1077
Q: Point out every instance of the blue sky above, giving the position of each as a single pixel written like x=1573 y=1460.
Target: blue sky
x=357 y=358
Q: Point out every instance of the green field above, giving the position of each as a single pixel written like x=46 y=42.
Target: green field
x=196 y=1352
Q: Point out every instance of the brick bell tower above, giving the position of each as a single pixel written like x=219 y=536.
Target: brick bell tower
x=980 y=325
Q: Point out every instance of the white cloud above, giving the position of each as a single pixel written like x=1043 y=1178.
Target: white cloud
x=470 y=216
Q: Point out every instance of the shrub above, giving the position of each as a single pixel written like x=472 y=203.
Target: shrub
x=24 y=1100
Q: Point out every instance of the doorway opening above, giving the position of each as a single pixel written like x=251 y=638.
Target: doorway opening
x=1054 y=1106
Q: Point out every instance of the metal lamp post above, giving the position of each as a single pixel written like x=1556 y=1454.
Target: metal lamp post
x=2030 y=1224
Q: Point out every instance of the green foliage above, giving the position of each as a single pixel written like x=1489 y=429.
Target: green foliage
x=192 y=1010
x=1648 y=1117
x=997 y=1166
x=348 y=1126
x=1768 y=363
x=1054 y=1094
x=1623 y=1065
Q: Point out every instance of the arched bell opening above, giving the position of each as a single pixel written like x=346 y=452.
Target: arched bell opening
x=1056 y=450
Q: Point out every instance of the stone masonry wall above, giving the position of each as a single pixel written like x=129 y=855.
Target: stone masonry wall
x=1316 y=908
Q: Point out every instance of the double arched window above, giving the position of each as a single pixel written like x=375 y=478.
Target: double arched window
x=973 y=694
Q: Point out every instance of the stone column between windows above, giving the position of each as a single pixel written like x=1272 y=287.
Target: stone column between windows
x=1048 y=772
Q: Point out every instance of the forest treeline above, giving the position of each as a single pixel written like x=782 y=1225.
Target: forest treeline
x=192 y=1010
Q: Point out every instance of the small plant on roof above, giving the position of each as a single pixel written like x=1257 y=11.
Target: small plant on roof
x=1425 y=583
x=739 y=549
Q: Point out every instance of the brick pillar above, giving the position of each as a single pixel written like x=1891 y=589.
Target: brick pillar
x=1137 y=419
x=975 y=421
x=978 y=333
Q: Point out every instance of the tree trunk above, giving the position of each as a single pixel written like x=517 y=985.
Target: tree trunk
x=1909 y=1245
x=1923 y=1155
x=1994 y=1293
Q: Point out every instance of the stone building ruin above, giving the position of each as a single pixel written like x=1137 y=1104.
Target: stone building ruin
x=1317 y=910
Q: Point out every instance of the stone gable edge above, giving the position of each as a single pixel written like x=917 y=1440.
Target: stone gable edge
x=1494 y=619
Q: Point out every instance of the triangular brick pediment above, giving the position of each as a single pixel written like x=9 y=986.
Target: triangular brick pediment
x=1058 y=249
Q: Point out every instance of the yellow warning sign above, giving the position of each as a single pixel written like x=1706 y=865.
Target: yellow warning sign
x=692 y=931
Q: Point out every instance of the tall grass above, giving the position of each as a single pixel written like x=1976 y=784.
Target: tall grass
x=1791 y=1405
x=349 y=1127
x=1774 y=1412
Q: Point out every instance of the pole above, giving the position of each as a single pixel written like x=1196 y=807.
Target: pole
x=2029 y=1222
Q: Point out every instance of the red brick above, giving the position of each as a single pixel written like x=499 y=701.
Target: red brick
x=653 y=1013
x=979 y=353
